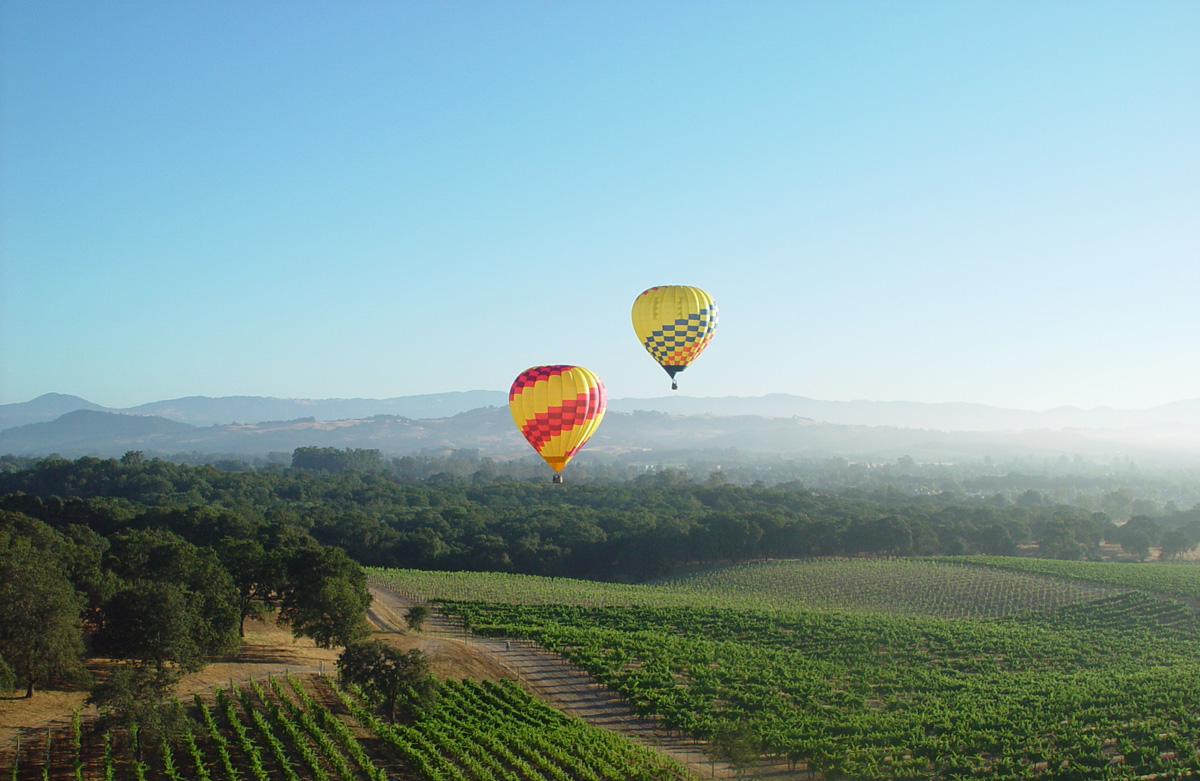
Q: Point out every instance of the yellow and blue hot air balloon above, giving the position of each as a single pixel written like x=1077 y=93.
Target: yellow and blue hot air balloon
x=557 y=408
x=674 y=323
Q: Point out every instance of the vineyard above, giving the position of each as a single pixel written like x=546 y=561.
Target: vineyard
x=1000 y=674
x=1177 y=579
x=918 y=587
x=293 y=729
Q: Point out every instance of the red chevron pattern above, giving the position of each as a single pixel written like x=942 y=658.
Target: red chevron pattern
x=532 y=376
x=556 y=420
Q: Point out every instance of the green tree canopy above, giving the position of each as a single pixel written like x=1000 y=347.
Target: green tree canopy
x=737 y=744
x=256 y=574
x=416 y=616
x=207 y=591
x=153 y=622
x=329 y=459
x=1175 y=543
x=40 y=634
x=324 y=596
x=7 y=679
x=133 y=694
x=388 y=674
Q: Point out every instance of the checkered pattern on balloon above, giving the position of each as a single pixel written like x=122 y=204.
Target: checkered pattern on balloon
x=679 y=342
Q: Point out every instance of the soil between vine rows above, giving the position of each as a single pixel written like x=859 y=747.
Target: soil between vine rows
x=562 y=685
x=269 y=649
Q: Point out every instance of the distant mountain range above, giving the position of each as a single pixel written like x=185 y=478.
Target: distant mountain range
x=779 y=424
x=948 y=416
x=207 y=411
x=951 y=416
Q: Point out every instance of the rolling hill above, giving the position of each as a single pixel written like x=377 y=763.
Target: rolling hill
x=490 y=431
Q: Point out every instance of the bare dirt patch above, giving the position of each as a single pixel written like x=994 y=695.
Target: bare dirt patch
x=267 y=649
x=449 y=657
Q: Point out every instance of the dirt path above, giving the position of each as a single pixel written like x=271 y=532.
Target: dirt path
x=554 y=680
x=453 y=653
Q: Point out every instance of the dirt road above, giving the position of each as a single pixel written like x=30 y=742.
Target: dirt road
x=269 y=649
x=548 y=676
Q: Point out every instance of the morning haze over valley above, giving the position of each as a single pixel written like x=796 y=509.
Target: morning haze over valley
x=656 y=391
x=779 y=424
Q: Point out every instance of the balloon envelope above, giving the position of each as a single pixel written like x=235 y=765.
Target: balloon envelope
x=557 y=408
x=674 y=323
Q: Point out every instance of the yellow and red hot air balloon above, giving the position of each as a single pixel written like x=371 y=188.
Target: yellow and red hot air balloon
x=674 y=323
x=557 y=408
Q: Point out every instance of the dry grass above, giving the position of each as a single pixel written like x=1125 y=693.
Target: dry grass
x=267 y=648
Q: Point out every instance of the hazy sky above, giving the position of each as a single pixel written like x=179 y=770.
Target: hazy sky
x=993 y=202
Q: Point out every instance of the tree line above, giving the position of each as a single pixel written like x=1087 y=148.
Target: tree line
x=159 y=588
x=630 y=530
x=159 y=564
x=1120 y=488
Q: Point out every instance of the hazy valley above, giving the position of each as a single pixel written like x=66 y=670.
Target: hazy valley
x=776 y=424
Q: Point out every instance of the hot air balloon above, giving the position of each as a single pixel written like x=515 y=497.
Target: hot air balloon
x=557 y=408
x=674 y=323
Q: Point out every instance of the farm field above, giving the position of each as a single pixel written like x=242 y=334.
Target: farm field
x=858 y=668
x=921 y=587
x=308 y=728
x=1177 y=579
x=997 y=674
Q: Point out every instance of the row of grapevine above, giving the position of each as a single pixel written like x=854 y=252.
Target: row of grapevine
x=291 y=736
x=493 y=731
x=338 y=740
x=255 y=733
x=861 y=696
x=79 y=751
x=197 y=762
x=1178 y=579
x=278 y=730
x=1102 y=688
x=217 y=737
x=946 y=588
x=967 y=587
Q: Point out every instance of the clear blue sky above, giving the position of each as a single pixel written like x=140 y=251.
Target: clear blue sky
x=994 y=202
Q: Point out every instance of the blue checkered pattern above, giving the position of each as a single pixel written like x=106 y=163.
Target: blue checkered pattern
x=676 y=343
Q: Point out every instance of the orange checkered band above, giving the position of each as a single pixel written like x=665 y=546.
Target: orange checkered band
x=678 y=342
